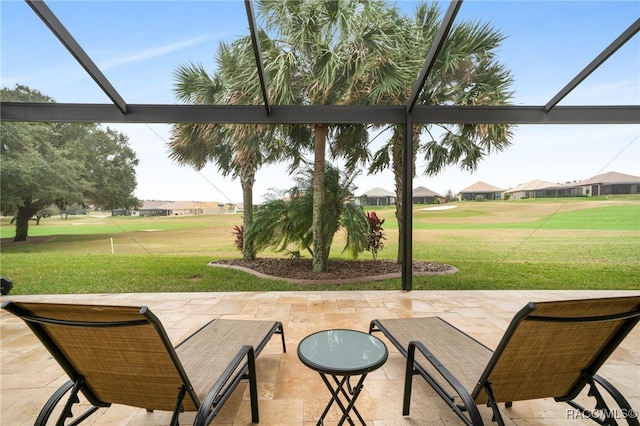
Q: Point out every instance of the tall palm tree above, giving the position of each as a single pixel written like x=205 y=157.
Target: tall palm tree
x=238 y=150
x=466 y=72
x=330 y=53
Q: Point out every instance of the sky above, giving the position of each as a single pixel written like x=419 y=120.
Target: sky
x=139 y=44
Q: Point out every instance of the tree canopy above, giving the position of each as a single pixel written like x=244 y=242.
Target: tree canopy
x=318 y=52
x=62 y=164
x=238 y=150
x=466 y=72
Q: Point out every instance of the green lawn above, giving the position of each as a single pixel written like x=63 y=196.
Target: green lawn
x=528 y=244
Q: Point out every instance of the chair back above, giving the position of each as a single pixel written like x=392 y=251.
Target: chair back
x=550 y=349
x=121 y=353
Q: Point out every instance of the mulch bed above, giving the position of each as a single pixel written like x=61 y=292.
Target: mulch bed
x=337 y=269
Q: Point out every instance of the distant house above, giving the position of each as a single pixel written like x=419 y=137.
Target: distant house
x=376 y=197
x=604 y=184
x=155 y=208
x=532 y=189
x=215 y=207
x=183 y=208
x=422 y=195
x=186 y=208
x=122 y=212
x=542 y=189
x=610 y=183
x=480 y=191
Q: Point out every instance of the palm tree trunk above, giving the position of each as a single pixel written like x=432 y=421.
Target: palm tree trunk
x=246 y=182
x=396 y=159
x=320 y=254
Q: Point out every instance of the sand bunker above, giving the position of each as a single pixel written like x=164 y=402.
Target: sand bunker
x=446 y=207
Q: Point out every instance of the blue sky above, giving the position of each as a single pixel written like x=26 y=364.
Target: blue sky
x=139 y=44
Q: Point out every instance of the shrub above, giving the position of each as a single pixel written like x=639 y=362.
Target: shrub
x=238 y=233
x=287 y=220
x=376 y=234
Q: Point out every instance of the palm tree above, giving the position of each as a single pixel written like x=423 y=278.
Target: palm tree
x=465 y=73
x=237 y=150
x=282 y=221
x=330 y=53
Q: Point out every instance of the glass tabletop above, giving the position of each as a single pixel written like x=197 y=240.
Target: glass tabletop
x=342 y=352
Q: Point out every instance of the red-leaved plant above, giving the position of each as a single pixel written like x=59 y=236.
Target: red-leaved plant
x=238 y=232
x=376 y=234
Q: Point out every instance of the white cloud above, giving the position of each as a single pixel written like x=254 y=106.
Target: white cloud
x=152 y=52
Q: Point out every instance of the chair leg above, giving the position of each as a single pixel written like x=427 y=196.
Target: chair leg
x=497 y=416
x=54 y=400
x=408 y=382
x=281 y=333
x=628 y=412
x=253 y=385
x=602 y=413
x=176 y=412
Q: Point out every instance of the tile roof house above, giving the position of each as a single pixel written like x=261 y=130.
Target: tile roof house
x=532 y=189
x=181 y=208
x=609 y=183
x=376 y=197
x=422 y=195
x=155 y=208
x=481 y=191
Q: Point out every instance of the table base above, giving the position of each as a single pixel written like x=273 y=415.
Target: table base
x=350 y=395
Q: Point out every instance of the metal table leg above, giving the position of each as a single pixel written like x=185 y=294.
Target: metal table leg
x=350 y=395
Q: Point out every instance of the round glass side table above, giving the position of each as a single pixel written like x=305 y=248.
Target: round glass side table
x=341 y=354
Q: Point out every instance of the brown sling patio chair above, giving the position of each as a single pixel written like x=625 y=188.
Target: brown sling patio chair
x=122 y=355
x=549 y=350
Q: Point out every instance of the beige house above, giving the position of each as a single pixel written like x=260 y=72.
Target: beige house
x=376 y=197
x=532 y=189
x=182 y=208
x=480 y=191
x=422 y=195
x=610 y=183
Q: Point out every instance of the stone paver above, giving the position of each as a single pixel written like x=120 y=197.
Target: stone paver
x=291 y=394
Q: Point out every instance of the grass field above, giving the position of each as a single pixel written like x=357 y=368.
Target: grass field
x=543 y=244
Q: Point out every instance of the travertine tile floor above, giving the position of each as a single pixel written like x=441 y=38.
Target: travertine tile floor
x=290 y=393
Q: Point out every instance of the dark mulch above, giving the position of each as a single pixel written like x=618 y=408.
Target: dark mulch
x=337 y=269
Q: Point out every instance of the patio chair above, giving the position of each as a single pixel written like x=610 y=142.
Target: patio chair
x=549 y=350
x=122 y=355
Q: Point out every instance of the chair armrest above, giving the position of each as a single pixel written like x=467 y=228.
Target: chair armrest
x=218 y=393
